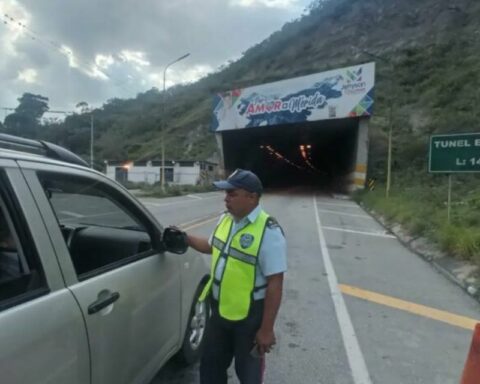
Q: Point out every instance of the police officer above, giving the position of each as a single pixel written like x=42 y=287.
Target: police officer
x=248 y=262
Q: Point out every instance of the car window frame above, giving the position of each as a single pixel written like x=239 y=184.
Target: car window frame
x=121 y=199
x=23 y=236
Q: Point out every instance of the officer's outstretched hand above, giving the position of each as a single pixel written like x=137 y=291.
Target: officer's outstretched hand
x=265 y=340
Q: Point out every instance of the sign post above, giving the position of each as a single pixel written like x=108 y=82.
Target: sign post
x=454 y=153
x=449 y=203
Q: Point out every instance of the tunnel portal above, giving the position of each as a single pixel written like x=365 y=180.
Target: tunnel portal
x=305 y=131
x=319 y=153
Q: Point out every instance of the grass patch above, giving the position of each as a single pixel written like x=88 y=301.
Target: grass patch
x=422 y=211
x=175 y=190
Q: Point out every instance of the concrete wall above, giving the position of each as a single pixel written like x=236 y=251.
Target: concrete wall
x=359 y=175
x=199 y=173
x=221 y=165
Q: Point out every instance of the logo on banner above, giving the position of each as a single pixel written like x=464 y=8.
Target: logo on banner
x=354 y=82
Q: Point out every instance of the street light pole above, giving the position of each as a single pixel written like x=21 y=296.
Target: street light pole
x=389 y=156
x=164 y=120
x=91 y=139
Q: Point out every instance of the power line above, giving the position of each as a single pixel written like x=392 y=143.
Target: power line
x=49 y=111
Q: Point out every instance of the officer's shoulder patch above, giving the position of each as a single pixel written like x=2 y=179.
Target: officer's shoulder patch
x=272 y=223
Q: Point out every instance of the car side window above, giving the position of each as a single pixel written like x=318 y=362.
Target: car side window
x=21 y=274
x=100 y=230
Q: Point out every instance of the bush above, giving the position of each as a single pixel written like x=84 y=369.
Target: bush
x=418 y=202
x=176 y=190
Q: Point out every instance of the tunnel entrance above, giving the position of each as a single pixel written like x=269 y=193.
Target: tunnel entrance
x=306 y=131
x=319 y=154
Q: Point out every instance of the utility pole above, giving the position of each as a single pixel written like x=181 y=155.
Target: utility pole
x=390 y=118
x=85 y=108
x=164 y=120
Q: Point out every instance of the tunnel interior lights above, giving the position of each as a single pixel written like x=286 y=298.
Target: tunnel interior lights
x=305 y=152
x=279 y=156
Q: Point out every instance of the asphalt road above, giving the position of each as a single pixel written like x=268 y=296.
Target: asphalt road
x=358 y=307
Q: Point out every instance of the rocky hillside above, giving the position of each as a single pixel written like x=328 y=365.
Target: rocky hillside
x=427 y=66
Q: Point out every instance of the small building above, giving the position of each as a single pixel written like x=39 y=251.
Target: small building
x=149 y=172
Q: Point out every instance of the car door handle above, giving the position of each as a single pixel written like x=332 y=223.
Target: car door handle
x=103 y=301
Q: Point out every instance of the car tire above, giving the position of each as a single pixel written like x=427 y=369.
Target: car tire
x=194 y=339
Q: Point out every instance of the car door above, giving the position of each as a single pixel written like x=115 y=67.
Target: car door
x=43 y=338
x=128 y=292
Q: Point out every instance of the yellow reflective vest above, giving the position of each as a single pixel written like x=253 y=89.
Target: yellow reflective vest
x=237 y=285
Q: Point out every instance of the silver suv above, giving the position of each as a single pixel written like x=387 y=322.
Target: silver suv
x=90 y=291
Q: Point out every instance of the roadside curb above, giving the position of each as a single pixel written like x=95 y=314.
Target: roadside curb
x=470 y=282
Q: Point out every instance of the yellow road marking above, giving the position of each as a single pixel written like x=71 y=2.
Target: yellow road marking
x=199 y=224
x=417 y=309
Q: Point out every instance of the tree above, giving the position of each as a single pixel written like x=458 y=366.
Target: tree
x=25 y=121
x=32 y=105
x=83 y=107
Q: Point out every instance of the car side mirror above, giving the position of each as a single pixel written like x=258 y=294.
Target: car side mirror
x=175 y=240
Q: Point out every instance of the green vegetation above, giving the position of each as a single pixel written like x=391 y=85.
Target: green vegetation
x=436 y=90
x=175 y=190
x=421 y=208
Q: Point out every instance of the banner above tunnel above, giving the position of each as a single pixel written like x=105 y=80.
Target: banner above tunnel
x=335 y=94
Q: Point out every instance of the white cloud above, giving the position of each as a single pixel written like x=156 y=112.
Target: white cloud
x=134 y=57
x=28 y=75
x=72 y=60
x=92 y=70
x=193 y=73
x=79 y=56
x=266 y=3
x=96 y=73
x=180 y=76
x=104 y=61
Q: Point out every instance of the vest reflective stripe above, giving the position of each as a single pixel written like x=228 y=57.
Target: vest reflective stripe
x=237 y=284
x=217 y=243
x=220 y=237
x=242 y=256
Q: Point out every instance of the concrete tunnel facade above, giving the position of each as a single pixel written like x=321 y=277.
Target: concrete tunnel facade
x=310 y=130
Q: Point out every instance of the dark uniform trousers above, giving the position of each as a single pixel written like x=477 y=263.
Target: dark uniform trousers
x=226 y=340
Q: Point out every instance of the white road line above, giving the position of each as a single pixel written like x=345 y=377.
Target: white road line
x=343 y=214
x=356 y=360
x=378 y=234
x=340 y=205
x=177 y=202
x=195 y=197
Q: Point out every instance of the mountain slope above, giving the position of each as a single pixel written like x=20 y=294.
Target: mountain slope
x=428 y=71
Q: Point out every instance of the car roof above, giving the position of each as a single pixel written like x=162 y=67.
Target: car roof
x=37 y=158
x=45 y=148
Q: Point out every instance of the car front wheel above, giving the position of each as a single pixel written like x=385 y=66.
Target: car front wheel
x=194 y=339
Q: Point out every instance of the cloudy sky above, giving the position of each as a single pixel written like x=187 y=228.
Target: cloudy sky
x=87 y=50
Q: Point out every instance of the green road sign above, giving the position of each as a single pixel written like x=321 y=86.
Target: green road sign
x=455 y=153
